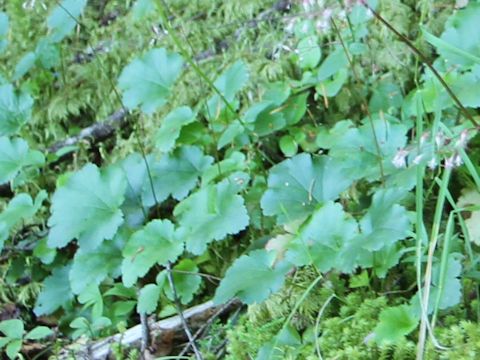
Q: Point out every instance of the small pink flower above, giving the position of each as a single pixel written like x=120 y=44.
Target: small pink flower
x=308 y=4
x=327 y=14
x=418 y=159
x=432 y=164
x=322 y=25
x=440 y=139
x=463 y=140
x=424 y=138
x=399 y=161
x=289 y=28
x=457 y=160
x=350 y=3
x=450 y=162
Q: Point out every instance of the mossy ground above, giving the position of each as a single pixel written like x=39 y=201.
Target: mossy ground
x=84 y=93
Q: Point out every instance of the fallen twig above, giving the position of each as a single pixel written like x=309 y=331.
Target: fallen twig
x=96 y=132
x=99 y=350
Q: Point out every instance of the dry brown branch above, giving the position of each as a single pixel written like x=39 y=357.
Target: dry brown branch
x=161 y=332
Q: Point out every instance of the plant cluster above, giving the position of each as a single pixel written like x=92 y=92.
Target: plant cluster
x=310 y=168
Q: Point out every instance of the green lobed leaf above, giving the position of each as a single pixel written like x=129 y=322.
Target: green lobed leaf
x=13 y=348
x=56 y=292
x=450 y=50
x=175 y=174
x=335 y=61
x=385 y=221
x=123 y=308
x=148 y=299
x=382 y=260
x=234 y=129
x=236 y=161
x=252 y=278
x=344 y=139
x=211 y=214
x=170 y=128
x=435 y=96
x=228 y=84
x=12 y=328
x=92 y=267
x=135 y=172
x=64 y=18
x=142 y=8
x=331 y=86
x=295 y=108
x=14 y=156
x=121 y=291
x=267 y=116
x=38 y=332
x=4 y=23
x=272 y=350
x=24 y=65
x=232 y=80
x=451 y=292
x=328 y=240
x=91 y=297
x=297 y=185
x=309 y=53
x=395 y=323
x=186 y=281
x=288 y=145
x=81 y=326
x=386 y=97
x=461 y=32
x=86 y=207
x=277 y=92
x=20 y=208
x=85 y=327
x=158 y=242
x=4 y=341
x=146 y=81
x=266 y=119
x=47 y=53
x=43 y=252
x=15 y=110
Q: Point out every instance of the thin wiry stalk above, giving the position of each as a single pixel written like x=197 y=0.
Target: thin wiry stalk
x=317 y=324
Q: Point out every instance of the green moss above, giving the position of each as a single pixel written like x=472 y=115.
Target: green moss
x=346 y=332
x=279 y=305
x=248 y=337
x=462 y=342
x=345 y=329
